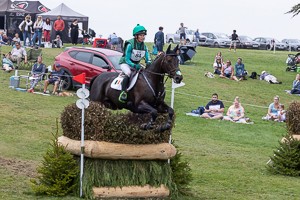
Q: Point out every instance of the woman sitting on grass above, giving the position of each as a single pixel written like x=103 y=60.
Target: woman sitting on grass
x=236 y=112
x=227 y=70
x=273 y=110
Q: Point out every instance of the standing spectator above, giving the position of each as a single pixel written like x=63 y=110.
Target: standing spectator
x=159 y=40
x=74 y=28
x=182 y=33
x=38 y=31
x=234 y=40
x=47 y=29
x=214 y=109
x=197 y=36
x=227 y=70
x=239 y=70
x=59 y=26
x=296 y=85
x=114 y=41
x=17 y=54
x=16 y=39
x=26 y=29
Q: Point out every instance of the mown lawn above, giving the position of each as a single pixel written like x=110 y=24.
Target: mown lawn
x=228 y=160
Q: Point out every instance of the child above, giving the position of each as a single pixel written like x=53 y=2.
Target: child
x=281 y=114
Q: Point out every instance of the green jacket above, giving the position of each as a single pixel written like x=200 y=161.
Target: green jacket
x=134 y=52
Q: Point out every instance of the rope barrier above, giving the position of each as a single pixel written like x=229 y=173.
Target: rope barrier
x=209 y=98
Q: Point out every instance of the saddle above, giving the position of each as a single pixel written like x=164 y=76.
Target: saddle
x=117 y=82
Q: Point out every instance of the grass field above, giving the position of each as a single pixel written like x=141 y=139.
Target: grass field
x=228 y=160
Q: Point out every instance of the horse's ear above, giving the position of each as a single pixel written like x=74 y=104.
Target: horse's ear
x=169 y=49
x=176 y=49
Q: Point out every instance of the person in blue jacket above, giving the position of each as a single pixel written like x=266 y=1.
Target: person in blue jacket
x=134 y=51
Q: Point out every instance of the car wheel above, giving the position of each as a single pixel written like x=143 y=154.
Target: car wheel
x=170 y=41
x=188 y=40
x=268 y=47
x=67 y=81
x=216 y=44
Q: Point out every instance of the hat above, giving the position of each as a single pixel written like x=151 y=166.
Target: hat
x=263 y=72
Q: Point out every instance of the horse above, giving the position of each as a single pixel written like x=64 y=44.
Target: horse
x=147 y=95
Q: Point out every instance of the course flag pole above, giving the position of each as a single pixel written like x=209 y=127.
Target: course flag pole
x=82 y=103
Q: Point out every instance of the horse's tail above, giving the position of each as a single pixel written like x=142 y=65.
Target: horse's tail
x=92 y=81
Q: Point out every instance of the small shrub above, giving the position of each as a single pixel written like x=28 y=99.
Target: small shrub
x=293 y=118
x=57 y=173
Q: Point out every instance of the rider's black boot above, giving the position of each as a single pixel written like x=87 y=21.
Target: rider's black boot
x=123 y=95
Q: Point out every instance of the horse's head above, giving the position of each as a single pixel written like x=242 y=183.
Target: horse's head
x=170 y=64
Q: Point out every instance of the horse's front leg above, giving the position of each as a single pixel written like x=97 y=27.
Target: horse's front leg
x=164 y=108
x=146 y=108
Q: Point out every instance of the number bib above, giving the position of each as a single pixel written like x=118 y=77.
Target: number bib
x=137 y=55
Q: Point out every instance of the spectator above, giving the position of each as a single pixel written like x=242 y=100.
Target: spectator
x=74 y=28
x=1 y=39
x=54 y=79
x=269 y=78
x=218 y=65
x=234 y=40
x=7 y=64
x=38 y=31
x=16 y=39
x=240 y=73
x=159 y=40
x=197 y=36
x=26 y=29
x=114 y=41
x=17 y=54
x=47 y=29
x=6 y=39
x=281 y=114
x=236 y=112
x=219 y=54
x=59 y=26
x=57 y=42
x=296 y=85
x=38 y=70
x=214 y=109
x=273 y=110
x=227 y=70
x=182 y=33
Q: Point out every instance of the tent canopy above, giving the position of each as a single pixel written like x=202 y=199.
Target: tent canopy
x=31 y=6
x=65 y=12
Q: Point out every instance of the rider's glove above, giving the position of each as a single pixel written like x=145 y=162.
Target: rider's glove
x=137 y=66
x=148 y=64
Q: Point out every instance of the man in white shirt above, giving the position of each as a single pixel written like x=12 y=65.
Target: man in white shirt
x=17 y=54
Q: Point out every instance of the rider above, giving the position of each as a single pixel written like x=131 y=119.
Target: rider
x=134 y=51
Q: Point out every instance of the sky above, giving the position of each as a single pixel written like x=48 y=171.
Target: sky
x=254 y=18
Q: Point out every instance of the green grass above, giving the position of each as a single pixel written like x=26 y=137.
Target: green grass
x=228 y=160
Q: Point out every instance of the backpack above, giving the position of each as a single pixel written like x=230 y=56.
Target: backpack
x=253 y=75
x=199 y=110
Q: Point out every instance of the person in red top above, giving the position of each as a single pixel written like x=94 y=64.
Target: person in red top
x=59 y=26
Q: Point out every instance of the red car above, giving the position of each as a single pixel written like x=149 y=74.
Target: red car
x=91 y=61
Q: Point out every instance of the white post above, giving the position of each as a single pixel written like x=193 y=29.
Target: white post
x=274 y=46
x=82 y=147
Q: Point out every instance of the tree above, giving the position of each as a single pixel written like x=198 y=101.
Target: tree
x=295 y=10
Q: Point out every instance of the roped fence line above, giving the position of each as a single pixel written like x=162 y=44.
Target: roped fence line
x=208 y=98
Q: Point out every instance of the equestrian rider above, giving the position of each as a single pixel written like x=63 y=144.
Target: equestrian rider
x=134 y=51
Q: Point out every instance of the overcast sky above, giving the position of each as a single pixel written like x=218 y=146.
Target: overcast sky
x=253 y=18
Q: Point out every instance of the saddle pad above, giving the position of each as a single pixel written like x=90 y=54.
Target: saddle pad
x=117 y=82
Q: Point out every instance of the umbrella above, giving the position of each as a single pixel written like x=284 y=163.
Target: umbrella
x=186 y=53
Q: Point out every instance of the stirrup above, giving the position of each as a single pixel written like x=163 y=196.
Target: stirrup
x=123 y=97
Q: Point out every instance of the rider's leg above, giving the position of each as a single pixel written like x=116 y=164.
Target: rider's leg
x=126 y=70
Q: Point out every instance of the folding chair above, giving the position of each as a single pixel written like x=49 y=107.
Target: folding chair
x=32 y=55
x=40 y=79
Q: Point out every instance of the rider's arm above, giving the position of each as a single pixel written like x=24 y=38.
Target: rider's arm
x=128 y=52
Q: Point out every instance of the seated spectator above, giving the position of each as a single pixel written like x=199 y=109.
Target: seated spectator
x=236 y=112
x=269 y=78
x=54 y=78
x=16 y=39
x=281 y=114
x=17 y=54
x=227 y=70
x=214 y=109
x=219 y=54
x=57 y=42
x=273 y=110
x=38 y=70
x=1 y=39
x=240 y=72
x=296 y=85
x=7 y=64
x=218 y=65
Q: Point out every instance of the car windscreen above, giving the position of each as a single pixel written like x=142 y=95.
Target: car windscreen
x=220 y=35
x=115 y=61
x=245 y=38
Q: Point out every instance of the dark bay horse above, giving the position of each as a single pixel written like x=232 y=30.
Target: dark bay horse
x=147 y=96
